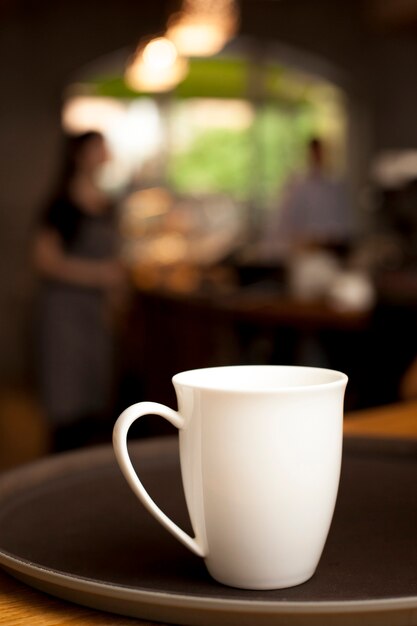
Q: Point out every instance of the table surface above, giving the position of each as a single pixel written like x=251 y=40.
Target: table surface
x=20 y=604
x=268 y=308
x=272 y=310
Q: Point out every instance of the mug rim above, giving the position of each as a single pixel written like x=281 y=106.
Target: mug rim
x=181 y=379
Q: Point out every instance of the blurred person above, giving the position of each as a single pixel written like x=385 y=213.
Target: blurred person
x=315 y=212
x=309 y=236
x=75 y=254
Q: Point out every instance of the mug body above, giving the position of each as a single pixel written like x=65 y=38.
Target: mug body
x=260 y=457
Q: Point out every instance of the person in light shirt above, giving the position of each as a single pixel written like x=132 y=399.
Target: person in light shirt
x=315 y=212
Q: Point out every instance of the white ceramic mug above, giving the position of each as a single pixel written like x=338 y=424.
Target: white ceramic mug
x=260 y=451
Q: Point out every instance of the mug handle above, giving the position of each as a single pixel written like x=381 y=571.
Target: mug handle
x=120 y=431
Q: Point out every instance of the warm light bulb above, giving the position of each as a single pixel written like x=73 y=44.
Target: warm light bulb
x=203 y=27
x=159 y=54
x=157 y=67
x=197 y=37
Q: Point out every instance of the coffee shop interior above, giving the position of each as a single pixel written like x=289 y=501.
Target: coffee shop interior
x=248 y=172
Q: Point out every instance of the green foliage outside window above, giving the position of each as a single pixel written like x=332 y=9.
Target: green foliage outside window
x=281 y=137
x=247 y=164
x=218 y=161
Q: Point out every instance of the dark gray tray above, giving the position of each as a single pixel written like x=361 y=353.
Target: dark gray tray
x=70 y=525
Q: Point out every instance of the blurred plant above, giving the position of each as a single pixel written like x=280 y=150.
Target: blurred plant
x=218 y=161
x=225 y=160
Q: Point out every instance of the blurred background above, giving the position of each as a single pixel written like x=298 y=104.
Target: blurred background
x=242 y=189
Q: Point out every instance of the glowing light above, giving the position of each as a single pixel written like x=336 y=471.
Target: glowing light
x=197 y=37
x=156 y=67
x=160 y=53
x=203 y=28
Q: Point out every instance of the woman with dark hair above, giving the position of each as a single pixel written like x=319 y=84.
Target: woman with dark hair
x=75 y=254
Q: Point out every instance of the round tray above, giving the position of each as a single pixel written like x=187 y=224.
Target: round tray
x=70 y=525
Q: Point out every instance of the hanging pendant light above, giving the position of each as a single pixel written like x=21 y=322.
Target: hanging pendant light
x=156 y=67
x=203 y=27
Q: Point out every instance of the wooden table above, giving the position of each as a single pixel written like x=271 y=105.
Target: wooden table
x=20 y=604
x=393 y=420
x=273 y=310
